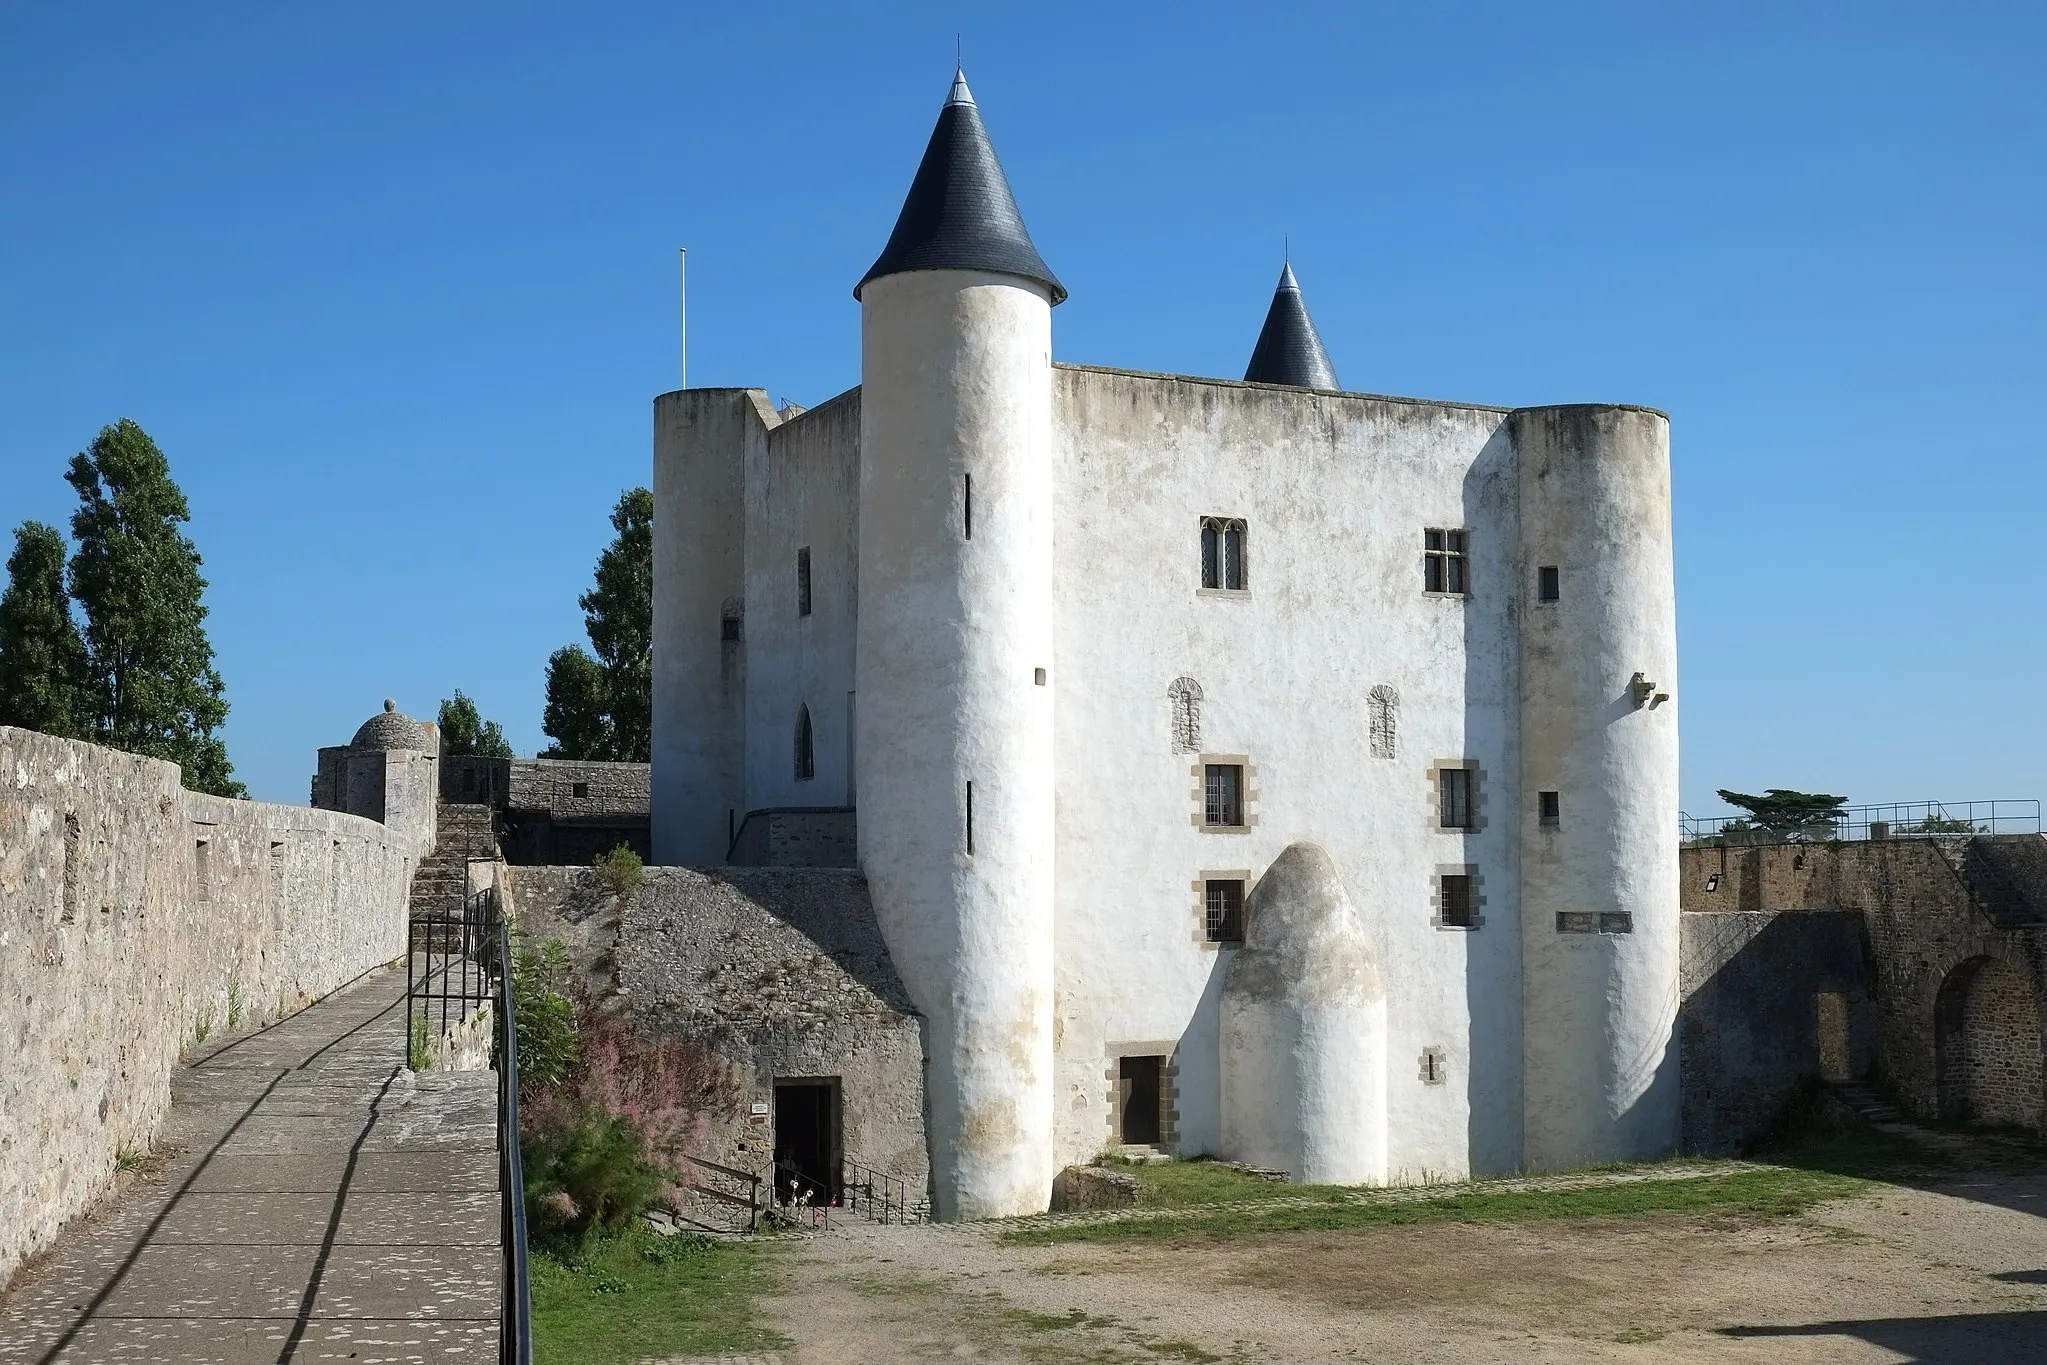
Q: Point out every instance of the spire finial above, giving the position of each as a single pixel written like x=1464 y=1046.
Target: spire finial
x=1289 y=349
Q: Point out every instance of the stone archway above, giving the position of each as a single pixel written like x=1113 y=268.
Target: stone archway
x=1987 y=1044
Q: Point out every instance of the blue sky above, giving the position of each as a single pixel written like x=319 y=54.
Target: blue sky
x=394 y=285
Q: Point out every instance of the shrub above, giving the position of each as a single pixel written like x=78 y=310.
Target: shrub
x=621 y=871
x=603 y=1136
x=546 y=1014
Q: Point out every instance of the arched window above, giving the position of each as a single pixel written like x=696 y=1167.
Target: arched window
x=1185 y=694
x=1382 y=706
x=806 y=763
x=1222 y=553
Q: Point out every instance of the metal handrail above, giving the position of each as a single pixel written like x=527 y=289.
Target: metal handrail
x=858 y=1184
x=1892 y=820
x=515 y=1340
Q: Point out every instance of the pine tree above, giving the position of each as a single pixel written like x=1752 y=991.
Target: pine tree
x=603 y=707
x=150 y=684
x=42 y=658
x=465 y=731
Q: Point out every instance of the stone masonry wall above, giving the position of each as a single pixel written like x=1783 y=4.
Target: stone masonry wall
x=607 y=790
x=1924 y=927
x=138 y=916
x=782 y=970
x=1994 y=1054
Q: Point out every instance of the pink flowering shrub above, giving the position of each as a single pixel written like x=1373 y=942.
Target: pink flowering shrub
x=605 y=1141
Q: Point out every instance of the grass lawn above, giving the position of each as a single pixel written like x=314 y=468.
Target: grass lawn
x=638 y=1295
x=1769 y=1192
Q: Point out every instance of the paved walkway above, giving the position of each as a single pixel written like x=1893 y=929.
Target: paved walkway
x=320 y=1202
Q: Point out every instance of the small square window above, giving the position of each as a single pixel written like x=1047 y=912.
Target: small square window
x=1224 y=791
x=1222 y=553
x=1454 y=803
x=803 y=581
x=1547 y=586
x=1548 y=807
x=1446 y=562
x=579 y=791
x=1225 y=911
x=1456 y=906
x=728 y=630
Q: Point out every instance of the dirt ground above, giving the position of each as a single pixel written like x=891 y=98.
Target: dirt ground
x=1953 y=1275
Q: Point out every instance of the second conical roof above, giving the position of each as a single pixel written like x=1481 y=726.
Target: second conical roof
x=1289 y=349
x=960 y=214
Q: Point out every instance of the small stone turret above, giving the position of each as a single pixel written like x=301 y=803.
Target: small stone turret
x=1304 y=1031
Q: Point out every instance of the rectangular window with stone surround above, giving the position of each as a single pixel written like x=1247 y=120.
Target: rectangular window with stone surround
x=1225 y=909
x=1454 y=797
x=1446 y=562
x=1457 y=897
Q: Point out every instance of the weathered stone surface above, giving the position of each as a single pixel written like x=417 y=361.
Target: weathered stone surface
x=280 y=1229
x=782 y=971
x=138 y=921
x=1094 y=1187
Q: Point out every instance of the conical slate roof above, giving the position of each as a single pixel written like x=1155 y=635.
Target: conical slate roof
x=960 y=214
x=1289 y=349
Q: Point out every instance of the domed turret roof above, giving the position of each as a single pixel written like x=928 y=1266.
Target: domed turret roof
x=389 y=729
x=1289 y=349
x=960 y=214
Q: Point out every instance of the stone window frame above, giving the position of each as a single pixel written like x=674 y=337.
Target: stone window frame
x=1477 y=896
x=1595 y=923
x=1200 y=888
x=1247 y=794
x=1444 y=553
x=1478 y=795
x=1185 y=696
x=1432 y=1067
x=1223 y=528
x=1169 y=1092
x=1382 y=720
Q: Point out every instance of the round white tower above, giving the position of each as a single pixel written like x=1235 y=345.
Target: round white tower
x=1303 y=1025
x=953 y=719
x=1599 y=731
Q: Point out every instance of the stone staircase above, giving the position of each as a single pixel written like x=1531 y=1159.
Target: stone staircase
x=461 y=833
x=1866 y=1102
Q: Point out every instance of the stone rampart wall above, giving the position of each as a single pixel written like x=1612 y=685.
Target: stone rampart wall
x=138 y=917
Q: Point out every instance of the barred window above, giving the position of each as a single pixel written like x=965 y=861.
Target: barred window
x=1446 y=562
x=1225 y=794
x=1222 y=553
x=1456 y=900
x=1454 y=797
x=1225 y=911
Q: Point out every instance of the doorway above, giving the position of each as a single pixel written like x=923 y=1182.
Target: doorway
x=1139 y=1087
x=807 y=1139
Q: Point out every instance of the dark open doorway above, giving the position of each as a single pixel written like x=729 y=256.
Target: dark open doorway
x=1139 y=1083
x=807 y=1139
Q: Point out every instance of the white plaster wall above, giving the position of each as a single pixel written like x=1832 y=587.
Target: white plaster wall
x=1601 y=1057
x=1337 y=490
x=703 y=442
x=956 y=380
x=1303 y=1031
x=802 y=489
x=121 y=943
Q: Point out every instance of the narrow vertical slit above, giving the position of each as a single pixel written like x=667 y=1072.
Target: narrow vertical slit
x=970 y=817
x=970 y=506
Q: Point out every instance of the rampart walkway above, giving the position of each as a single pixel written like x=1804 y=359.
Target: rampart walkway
x=319 y=1202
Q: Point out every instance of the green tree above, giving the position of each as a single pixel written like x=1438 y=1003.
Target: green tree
x=465 y=731
x=576 y=704
x=602 y=707
x=150 y=684
x=42 y=658
x=1791 y=815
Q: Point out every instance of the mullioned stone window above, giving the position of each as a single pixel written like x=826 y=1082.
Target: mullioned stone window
x=1223 y=563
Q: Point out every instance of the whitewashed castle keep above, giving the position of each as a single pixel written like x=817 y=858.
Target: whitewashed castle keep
x=1253 y=768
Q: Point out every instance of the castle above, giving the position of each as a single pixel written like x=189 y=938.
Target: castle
x=1253 y=768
